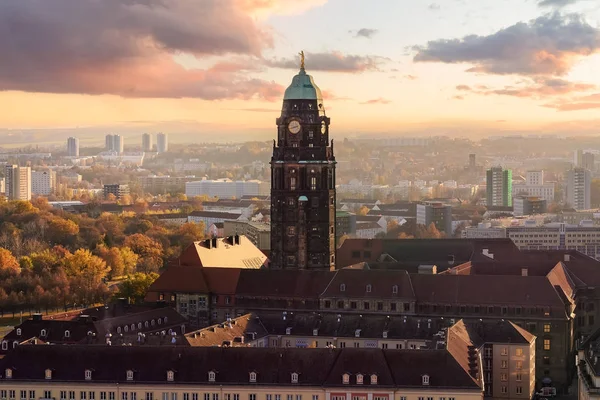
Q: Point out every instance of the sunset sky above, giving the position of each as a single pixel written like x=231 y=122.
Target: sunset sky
x=385 y=66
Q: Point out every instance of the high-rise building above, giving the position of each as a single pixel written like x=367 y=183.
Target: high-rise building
x=577 y=158
x=43 y=182
x=73 y=147
x=439 y=214
x=162 y=143
x=499 y=187
x=303 y=181
x=579 y=181
x=535 y=186
x=18 y=182
x=115 y=143
x=147 y=142
x=587 y=161
x=472 y=161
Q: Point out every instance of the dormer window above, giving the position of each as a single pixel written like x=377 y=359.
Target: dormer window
x=425 y=380
x=212 y=376
x=345 y=379
x=373 y=379
x=343 y=287
x=146 y=324
x=294 y=377
x=170 y=376
x=359 y=379
x=165 y=320
x=67 y=334
x=288 y=331
x=395 y=289
x=133 y=327
x=315 y=332
x=4 y=345
x=159 y=321
x=252 y=377
x=369 y=287
x=18 y=331
x=139 y=325
x=8 y=373
x=153 y=322
x=357 y=333
x=118 y=329
x=129 y=375
x=88 y=375
x=48 y=374
x=43 y=333
x=385 y=334
x=126 y=328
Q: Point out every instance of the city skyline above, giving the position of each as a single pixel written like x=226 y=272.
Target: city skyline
x=399 y=66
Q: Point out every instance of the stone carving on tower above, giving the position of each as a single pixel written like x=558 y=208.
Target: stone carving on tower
x=303 y=181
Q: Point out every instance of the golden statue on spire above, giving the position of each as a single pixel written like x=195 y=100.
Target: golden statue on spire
x=301 y=59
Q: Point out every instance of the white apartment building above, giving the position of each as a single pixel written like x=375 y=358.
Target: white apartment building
x=43 y=182
x=147 y=144
x=17 y=182
x=579 y=182
x=226 y=188
x=535 y=186
x=115 y=143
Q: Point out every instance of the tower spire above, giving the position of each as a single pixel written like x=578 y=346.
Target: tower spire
x=301 y=54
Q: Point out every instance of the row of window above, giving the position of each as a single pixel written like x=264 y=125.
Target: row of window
x=146 y=324
x=503 y=352
x=464 y=309
x=90 y=395
x=366 y=305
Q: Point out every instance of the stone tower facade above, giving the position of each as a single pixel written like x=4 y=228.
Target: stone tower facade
x=303 y=181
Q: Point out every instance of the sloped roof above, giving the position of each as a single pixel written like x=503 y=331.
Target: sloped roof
x=356 y=284
x=481 y=289
x=228 y=332
x=273 y=366
x=182 y=279
x=283 y=283
x=226 y=254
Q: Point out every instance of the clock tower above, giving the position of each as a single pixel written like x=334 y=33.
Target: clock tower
x=303 y=181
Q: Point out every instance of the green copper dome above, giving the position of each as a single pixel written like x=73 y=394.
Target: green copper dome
x=303 y=87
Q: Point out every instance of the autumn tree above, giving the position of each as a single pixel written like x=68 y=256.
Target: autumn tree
x=136 y=286
x=9 y=266
x=364 y=210
x=87 y=272
x=148 y=250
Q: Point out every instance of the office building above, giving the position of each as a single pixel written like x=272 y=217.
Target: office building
x=437 y=213
x=116 y=190
x=579 y=181
x=43 y=182
x=472 y=161
x=258 y=233
x=584 y=160
x=524 y=205
x=162 y=143
x=73 y=147
x=115 y=143
x=147 y=144
x=499 y=187
x=303 y=181
x=17 y=182
x=226 y=188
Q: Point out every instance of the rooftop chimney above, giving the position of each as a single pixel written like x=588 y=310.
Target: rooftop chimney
x=567 y=257
x=524 y=272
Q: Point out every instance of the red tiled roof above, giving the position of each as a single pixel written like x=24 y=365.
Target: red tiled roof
x=357 y=283
x=181 y=279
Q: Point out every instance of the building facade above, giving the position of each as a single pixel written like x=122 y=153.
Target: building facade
x=171 y=373
x=117 y=190
x=17 y=182
x=226 y=188
x=257 y=232
x=73 y=147
x=437 y=213
x=499 y=187
x=43 y=182
x=114 y=143
x=162 y=143
x=524 y=205
x=147 y=144
x=303 y=181
x=579 y=182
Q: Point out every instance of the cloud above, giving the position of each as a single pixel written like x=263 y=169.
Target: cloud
x=556 y=3
x=548 y=45
x=365 y=33
x=411 y=77
x=537 y=88
x=379 y=100
x=434 y=6
x=333 y=61
x=127 y=47
x=578 y=103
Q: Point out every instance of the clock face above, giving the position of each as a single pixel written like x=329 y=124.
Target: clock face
x=294 y=127
x=323 y=127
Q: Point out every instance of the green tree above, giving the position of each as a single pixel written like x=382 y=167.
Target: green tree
x=136 y=286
